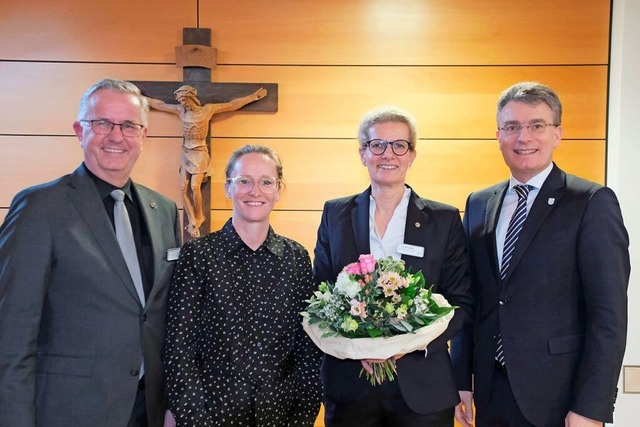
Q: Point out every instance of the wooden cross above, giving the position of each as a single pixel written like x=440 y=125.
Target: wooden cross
x=197 y=58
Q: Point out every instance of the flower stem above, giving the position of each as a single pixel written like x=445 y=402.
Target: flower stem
x=381 y=371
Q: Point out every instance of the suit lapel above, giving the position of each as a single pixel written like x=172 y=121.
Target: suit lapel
x=417 y=220
x=85 y=198
x=360 y=222
x=548 y=197
x=149 y=209
x=494 y=203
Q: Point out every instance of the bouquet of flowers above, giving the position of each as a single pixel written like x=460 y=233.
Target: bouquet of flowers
x=376 y=309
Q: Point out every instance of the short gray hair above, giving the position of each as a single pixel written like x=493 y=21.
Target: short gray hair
x=532 y=93
x=114 y=85
x=385 y=114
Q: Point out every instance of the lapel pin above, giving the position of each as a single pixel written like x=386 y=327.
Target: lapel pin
x=551 y=201
x=417 y=224
x=153 y=205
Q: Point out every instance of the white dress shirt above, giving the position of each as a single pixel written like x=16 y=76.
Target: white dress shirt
x=394 y=235
x=511 y=201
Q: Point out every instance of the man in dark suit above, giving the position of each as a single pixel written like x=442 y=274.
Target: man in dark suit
x=80 y=344
x=390 y=219
x=550 y=329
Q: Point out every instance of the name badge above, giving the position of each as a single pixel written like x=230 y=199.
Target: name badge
x=413 y=250
x=173 y=254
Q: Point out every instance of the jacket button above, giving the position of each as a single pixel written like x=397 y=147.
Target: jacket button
x=143 y=317
x=134 y=372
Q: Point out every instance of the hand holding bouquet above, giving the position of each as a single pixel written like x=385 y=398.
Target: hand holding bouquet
x=376 y=309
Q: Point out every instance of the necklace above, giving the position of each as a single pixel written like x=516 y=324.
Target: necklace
x=377 y=233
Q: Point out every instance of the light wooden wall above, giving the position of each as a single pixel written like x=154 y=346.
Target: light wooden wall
x=444 y=61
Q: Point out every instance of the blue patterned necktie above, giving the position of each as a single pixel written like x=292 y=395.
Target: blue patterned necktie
x=513 y=231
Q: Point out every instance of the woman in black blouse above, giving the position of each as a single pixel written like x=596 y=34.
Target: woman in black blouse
x=236 y=353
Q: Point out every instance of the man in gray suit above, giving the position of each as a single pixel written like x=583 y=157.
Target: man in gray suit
x=80 y=343
x=550 y=266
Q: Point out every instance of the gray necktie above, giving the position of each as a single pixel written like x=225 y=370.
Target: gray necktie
x=513 y=231
x=124 y=234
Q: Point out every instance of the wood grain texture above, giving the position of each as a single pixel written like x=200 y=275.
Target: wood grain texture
x=315 y=170
x=443 y=61
x=362 y=32
x=75 y=30
x=411 y=32
x=316 y=102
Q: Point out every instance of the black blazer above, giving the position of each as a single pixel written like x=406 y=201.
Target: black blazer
x=562 y=308
x=427 y=384
x=72 y=329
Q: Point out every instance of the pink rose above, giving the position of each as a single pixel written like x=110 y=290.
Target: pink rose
x=367 y=263
x=353 y=268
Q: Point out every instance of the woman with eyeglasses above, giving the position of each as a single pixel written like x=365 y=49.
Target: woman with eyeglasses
x=390 y=219
x=236 y=353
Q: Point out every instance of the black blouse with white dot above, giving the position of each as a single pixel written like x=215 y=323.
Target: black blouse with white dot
x=236 y=353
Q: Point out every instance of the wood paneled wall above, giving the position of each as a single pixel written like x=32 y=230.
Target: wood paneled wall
x=444 y=61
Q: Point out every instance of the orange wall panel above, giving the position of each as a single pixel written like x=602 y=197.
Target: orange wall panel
x=87 y=31
x=411 y=32
x=444 y=61
x=443 y=170
x=314 y=102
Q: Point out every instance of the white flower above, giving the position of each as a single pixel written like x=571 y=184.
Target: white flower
x=346 y=286
x=421 y=303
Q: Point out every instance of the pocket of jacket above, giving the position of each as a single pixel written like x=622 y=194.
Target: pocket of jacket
x=65 y=365
x=565 y=344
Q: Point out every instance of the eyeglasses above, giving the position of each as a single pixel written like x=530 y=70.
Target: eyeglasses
x=246 y=184
x=379 y=146
x=534 y=128
x=104 y=127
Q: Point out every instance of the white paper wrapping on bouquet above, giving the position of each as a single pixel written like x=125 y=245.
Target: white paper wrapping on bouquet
x=380 y=347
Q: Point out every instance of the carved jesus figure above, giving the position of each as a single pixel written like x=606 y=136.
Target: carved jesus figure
x=195 y=162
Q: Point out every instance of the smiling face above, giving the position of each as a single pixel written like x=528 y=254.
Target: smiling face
x=252 y=206
x=527 y=154
x=111 y=157
x=388 y=169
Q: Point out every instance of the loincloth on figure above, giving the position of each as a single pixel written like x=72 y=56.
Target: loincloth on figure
x=196 y=160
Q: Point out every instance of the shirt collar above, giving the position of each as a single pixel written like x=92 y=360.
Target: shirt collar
x=105 y=189
x=232 y=241
x=535 y=182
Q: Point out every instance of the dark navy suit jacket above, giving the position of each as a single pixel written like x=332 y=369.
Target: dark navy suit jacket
x=427 y=383
x=562 y=309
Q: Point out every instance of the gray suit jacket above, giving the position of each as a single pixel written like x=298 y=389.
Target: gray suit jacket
x=562 y=309
x=72 y=329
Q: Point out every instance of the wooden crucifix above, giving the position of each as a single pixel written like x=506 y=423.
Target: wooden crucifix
x=196 y=100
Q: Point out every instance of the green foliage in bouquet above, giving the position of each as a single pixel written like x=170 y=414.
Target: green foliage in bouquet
x=374 y=299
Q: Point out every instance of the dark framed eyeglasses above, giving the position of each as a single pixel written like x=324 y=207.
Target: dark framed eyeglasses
x=105 y=127
x=379 y=146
